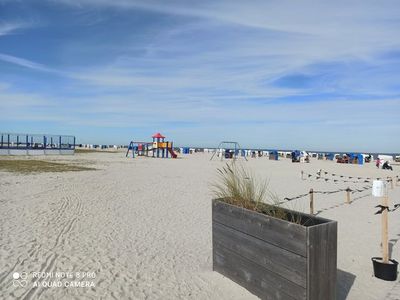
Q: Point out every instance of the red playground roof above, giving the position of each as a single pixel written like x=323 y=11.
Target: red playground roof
x=158 y=136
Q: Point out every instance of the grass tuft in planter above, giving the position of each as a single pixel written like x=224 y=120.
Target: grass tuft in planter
x=238 y=186
x=273 y=252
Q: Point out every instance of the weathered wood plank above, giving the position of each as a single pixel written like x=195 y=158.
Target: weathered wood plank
x=253 y=277
x=284 y=263
x=322 y=261
x=286 y=235
x=332 y=258
x=259 y=252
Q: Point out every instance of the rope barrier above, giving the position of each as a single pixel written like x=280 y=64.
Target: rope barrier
x=364 y=180
x=329 y=192
x=389 y=178
x=362 y=196
x=334 y=180
x=287 y=199
x=312 y=192
x=294 y=198
x=392 y=179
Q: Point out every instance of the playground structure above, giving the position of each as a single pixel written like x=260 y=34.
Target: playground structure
x=228 y=150
x=157 y=148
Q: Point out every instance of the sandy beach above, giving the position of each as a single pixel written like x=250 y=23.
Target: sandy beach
x=84 y=82
x=141 y=228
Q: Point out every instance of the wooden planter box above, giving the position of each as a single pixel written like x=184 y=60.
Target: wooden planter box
x=274 y=258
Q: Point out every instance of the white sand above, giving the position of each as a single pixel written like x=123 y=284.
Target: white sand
x=144 y=227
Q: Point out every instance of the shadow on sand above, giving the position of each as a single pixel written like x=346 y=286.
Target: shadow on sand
x=393 y=242
x=345 y=281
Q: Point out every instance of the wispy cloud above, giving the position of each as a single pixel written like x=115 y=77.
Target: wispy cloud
x=250 y=46
x=261 y=68
x=23 y=62
x=7 y=28
x=307 y=17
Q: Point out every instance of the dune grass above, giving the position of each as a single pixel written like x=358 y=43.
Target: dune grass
x=38 y=166
x=238 y=186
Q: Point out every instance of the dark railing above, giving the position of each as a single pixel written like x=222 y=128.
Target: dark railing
x=36 y=141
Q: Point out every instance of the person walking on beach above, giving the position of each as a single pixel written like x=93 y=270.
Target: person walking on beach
x=378 y=162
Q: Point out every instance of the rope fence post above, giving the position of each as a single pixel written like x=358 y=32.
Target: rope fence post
x=348 y=200
x=311 y=201
x=385 y=239
x=379 y=189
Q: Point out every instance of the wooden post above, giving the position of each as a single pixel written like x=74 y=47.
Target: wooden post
x=311 y=201
x=348 y=200
x=385 y=243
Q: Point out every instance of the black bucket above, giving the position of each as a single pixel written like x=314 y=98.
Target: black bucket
x=385 y=271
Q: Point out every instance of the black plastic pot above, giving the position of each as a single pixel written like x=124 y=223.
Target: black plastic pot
x=385 y=271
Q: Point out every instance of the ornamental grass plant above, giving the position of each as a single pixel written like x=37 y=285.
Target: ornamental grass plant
x=238 y=186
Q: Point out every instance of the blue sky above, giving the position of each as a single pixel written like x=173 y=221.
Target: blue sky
x=320 y=75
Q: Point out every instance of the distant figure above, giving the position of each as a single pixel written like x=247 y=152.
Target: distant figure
x=387 y=166
x=293 y=156
x=227 y=153
x=378 y=162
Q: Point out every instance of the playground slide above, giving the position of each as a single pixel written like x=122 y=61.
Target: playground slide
x=173 y=154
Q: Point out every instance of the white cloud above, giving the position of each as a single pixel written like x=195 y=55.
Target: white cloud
x=22 y=62
x=215 y=64
x=8 y=28
x=15 y=101
x=248 y=45
x=355 y=20
x=133 y=110
x=13 y=27
x=29 y=64
x=333 y=124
